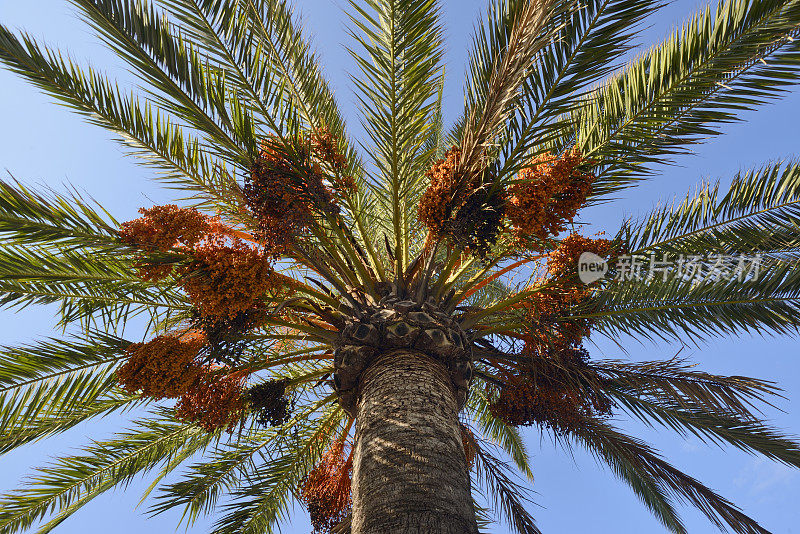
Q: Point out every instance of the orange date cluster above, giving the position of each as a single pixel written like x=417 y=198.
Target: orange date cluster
x=551 y=395
x=221 y=274
x=544 y=391
x=215 y=401
x=325 y=492
x=287 y=187
x=165 y=367
x=436 y=203
x=539 y=204
x=227 y=280
x=548 y=195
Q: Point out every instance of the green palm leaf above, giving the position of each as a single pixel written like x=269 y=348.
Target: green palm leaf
x=154 y=136
x=52 y=385
x=719 y=63
x=758 y=213
x=175 y=74
x=636 y=462
x=71 y=481
x=509 y=498
x=401 y=69
x=591 y=38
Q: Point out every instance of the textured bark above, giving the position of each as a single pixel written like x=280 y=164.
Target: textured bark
x=409 y=470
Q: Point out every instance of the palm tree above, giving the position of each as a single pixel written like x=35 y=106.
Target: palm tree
x=336 y=318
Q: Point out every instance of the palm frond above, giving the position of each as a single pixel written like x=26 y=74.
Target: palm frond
x=27 y=406
x=60 y=248
x=590 y=39
x=266 y=56
x=87 y=287
x=221 y=33
x=27 y=217
x=225 y=467
x=693 y=419
x=155 y=137
x=401 y=71
x=505 y=48
x=760 y=213
x=307 y=90
x=653 y=478
x=49 y=386
x=199 y=490
x=39 y=427
x=509 y=498
x=176 y=75
x=745 y=276
x=677 y=382
x=48 y=358
x=694 y=310
x=70 y=482
x=720 y=63
x=260 y=504
x=503 y=435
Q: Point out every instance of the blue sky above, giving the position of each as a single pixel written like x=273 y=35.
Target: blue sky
x=42 y=143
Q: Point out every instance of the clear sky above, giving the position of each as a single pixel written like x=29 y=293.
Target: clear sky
x=42 y=143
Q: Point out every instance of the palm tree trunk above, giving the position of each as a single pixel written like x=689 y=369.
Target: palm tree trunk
x=409 y=469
